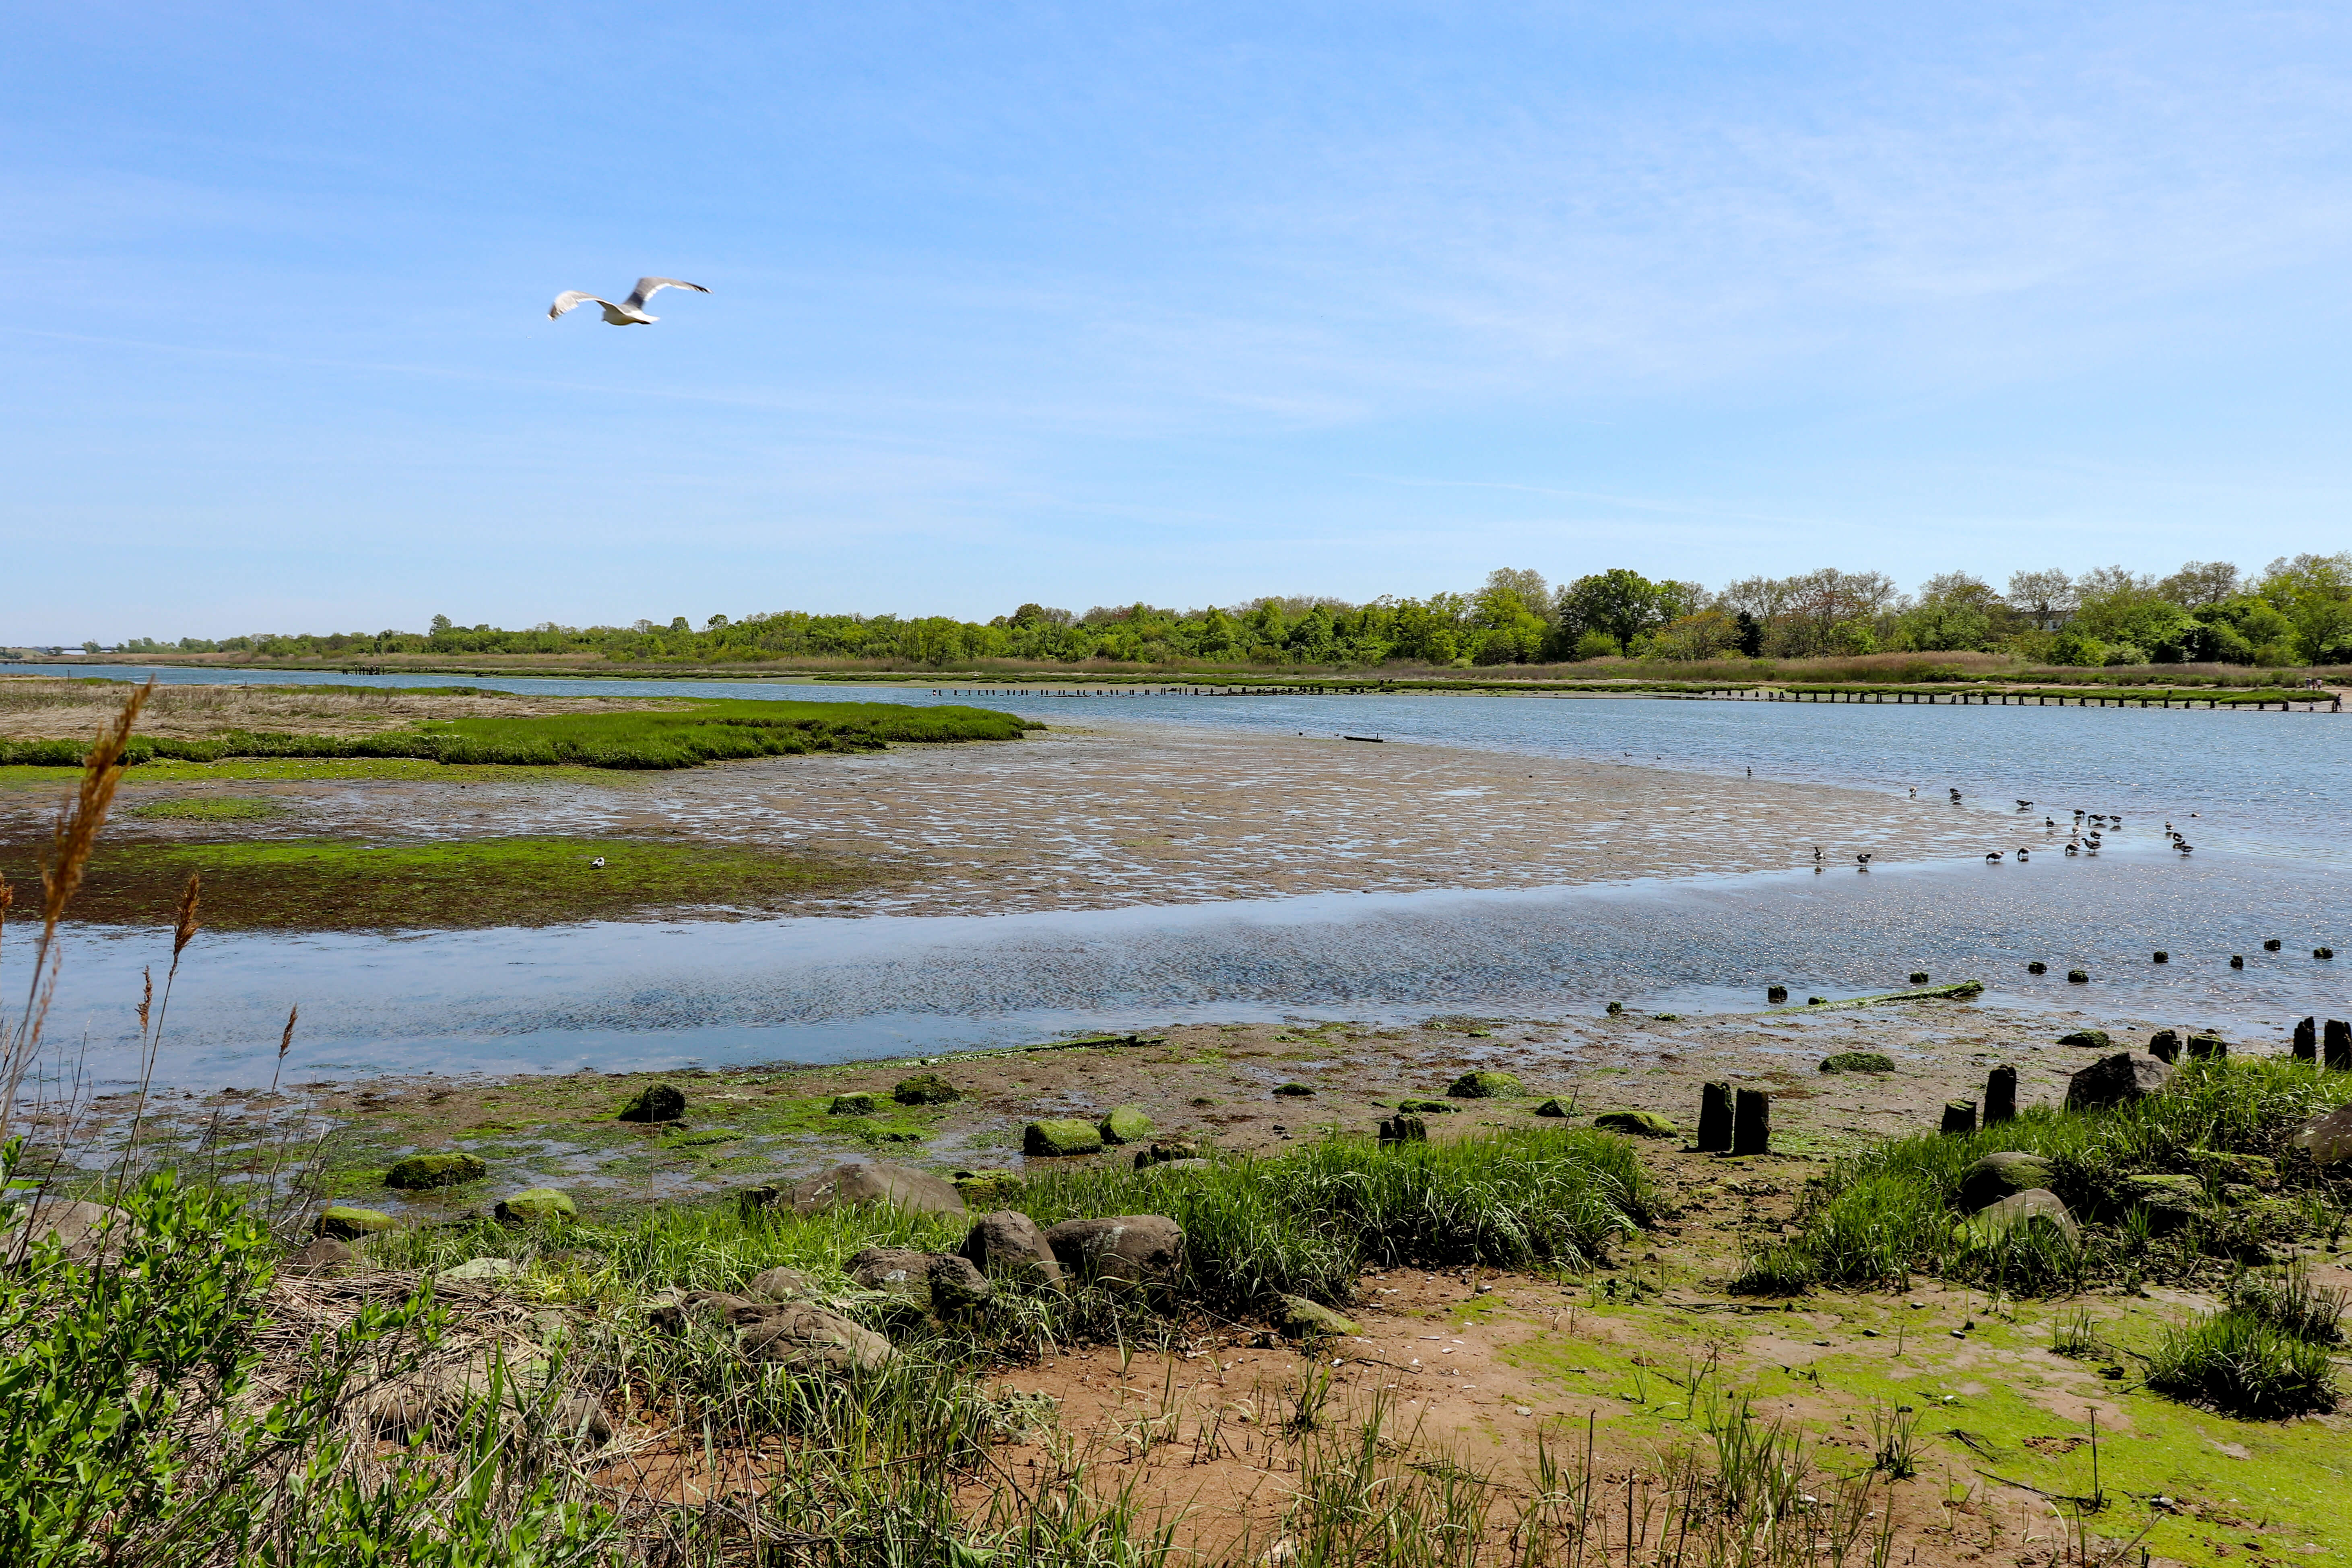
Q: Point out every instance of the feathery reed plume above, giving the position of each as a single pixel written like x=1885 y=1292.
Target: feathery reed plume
x=146 y=995
x=285 y=1044
x=183 y=918
x=71 y=844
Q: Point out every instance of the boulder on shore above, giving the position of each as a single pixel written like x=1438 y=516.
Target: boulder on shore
x=2038 y=1207
x=1124 y=1124
x=1636 y=1123
x=655 y=1102
x=538 y=1206
x=2327 y=1137
x=805 y=1337
x=859 y=1103
x=2170 y=1199
x=1126 y=1249
x=1858 y=1061
x=2095 y=1039
x=932 y=1283
x=1166 y=1151
x=1058 y=1136
x=349 y=1223
x=863 y=1181
x=778 y=1284
x=991 y=1183
x=1009 y=1243
x=925 y=1089
x=2002 y=1175
x=1485 y=1084
x=421 y=1173
x=2115 y=1080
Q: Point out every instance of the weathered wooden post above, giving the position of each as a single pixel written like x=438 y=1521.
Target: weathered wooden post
x=2001 y=1095
x=1751 y=1122
x=1715 y=1119
x=2338 y=1043
x=2306 y=1040
x=1959 y=1116
x=2165 y=1046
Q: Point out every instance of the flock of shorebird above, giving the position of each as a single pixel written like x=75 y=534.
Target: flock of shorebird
x=2089 y=833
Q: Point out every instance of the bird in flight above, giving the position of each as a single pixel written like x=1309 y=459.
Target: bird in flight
x=629 y=312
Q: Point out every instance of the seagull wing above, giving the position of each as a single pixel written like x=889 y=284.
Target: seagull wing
x=571 y=297
x=648 y=286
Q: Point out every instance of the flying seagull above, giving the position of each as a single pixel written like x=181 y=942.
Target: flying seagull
x=629 y=312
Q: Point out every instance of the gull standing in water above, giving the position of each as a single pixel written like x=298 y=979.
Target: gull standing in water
x=629 y=312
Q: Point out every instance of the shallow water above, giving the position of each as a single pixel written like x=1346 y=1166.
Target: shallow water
x=618 y=996
x=645 y=996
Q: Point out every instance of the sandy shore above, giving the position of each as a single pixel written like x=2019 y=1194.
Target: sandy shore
x=1110 y=815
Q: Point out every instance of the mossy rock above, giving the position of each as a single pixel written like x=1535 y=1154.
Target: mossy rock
x=1485 y=1084
x=2097 y=1039
x=925 y=1089
x=346 y=1222
x=1425 y=1106
x=1554 y=1108
x=858 y=1104
x=2000 y=1176
x=1294 y=1090
x=2170 y=1200
x=538 y=1206
x=421 y=1172
x=655 y=1102
x=990 y=1186
x=1858 y=1061
x=1304 y=1320
x=1124 y=1124
x=1059 y=1136
x=1638 y=1123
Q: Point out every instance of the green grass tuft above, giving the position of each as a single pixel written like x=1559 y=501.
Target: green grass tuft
x=2237 y=1362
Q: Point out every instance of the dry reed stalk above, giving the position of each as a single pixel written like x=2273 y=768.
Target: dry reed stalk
x=71 y=841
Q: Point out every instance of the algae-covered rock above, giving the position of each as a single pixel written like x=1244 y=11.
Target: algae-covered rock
x=1555 y=1108
x=2097 y=1039
x=1124 y=1124
x=2170 y=1199
x=349 y=1223
x=2000 y=1176
x=1485 y=1084
x=1638 y=1123
x=1304 y=1320
x=421 y=1172
x=481 y=1271
x=1426 y=1107
x=539 y=1205
x=1058 y=1136
x=2038 y=1208
x=857 y=1104
x=989 y=1184
x=655 y=1102
x=925 y=1089
x=1858 y=1061
x=1294 y=1090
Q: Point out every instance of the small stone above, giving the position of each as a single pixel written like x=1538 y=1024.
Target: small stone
x=901 y=1273
x=538 y=1206
x=1637 y=1124
x=1124 y=1124
x=1058 y=1137
x=2161 y=956
x=1615 y=1008
x=421 y=1172
x=1293 y=1091
x=2094 y=1040
x=1304 y=1320
x=2170 y=1200
x=858 y=1104
x=2327 y=1137
x=350 y=1223
x=655 y=1102
x=925 y=1089
x=1554 y=1108
x=1426 y=1107
x=1485 y=1084
x=805 y=1337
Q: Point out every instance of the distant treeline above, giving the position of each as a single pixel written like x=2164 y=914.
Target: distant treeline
x=2298 y=611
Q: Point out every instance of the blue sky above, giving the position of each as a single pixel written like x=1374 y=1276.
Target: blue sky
x=1188 y=303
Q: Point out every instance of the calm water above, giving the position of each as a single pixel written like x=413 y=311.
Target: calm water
x=2271 y=863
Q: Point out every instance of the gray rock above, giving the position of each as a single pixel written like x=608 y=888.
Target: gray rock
x=957 y=1290
x=481 y=1271
x=581 y=1418
x=2039 y=1206
x=1009 y=1243
x=1556 y=1107
x=805 y=1337
x=2115 y=1080
x=2327 y=1137
x=901 y=1273
x=779 y=1284
x=872 y=1182
x=2003 y=1175
x=655 y=1102
x=1127 y=1249
x=1304 y=1320
x=318 y=1255
x=89 y=1232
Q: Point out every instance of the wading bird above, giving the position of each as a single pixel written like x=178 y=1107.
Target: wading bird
x=629 y=312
